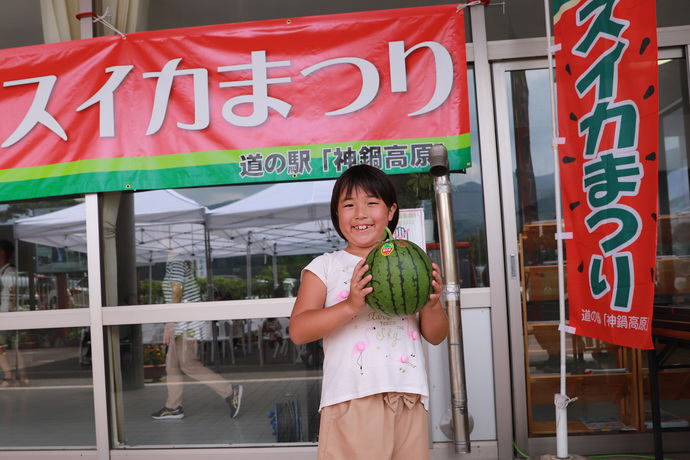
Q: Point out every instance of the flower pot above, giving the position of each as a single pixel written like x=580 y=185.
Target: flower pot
x=154 y=372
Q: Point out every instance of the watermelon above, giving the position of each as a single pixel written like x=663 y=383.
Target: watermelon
x=401 y=277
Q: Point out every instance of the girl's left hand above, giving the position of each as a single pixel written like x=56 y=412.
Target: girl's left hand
x=437 y=284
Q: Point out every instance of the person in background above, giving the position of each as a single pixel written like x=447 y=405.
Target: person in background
x=179 y=285
x=375 y=392
x=8 y=302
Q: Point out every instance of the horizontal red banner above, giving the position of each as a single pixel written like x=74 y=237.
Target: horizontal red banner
x=228 y=92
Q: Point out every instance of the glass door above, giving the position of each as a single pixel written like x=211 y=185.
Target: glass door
x=601 y=375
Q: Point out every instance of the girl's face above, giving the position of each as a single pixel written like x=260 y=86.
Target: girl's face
x=363 y=219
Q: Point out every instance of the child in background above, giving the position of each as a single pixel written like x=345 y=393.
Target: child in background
x=375 y=393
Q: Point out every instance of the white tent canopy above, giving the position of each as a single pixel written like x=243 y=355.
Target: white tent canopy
x=280 y=204
x=284 y=219
x=65 y=228
x=312 y=237
x=163 y=219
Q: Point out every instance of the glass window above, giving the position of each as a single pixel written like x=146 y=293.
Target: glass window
x=671 y=319
x=246 y=368
x=43 y=251
x=47 y=389
x=255 y=252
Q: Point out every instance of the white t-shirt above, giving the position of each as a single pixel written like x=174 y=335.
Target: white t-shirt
x=372 y=353
x=180 y=271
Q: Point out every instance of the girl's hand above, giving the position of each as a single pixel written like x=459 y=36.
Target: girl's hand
x=437 y=284
x=356 y=299
x=433 y=321
x=169 y=334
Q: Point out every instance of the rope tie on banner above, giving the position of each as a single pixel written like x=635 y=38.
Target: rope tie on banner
x=565 y=328
x=102 y=20
x=562 y=401
x=472 y=3
x=563 y=236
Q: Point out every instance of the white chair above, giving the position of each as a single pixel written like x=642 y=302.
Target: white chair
x=206 y=341
x=228 y=332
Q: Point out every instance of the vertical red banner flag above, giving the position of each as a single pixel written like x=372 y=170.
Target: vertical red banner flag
x=608 y=112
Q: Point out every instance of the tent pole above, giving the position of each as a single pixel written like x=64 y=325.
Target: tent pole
x=275 y=266
x=438 y=159
x=249 y=265
x=151 y=278
x=211 y=291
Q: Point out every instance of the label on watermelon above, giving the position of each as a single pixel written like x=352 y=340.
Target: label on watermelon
x=387 y=249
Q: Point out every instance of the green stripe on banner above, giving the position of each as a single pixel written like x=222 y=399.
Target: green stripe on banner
x=192 y=169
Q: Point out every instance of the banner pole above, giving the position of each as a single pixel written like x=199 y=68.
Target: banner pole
x=560 y=400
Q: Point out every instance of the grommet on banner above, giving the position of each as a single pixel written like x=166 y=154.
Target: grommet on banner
x=568 y=329
x=563 y=236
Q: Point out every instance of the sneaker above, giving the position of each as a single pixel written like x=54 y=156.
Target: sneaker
x=168 y=414
x=234 y=399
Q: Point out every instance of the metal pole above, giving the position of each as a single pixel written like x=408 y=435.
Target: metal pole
x=249 y=265
x=210 y=288
x=438 y=158
x=561 y=400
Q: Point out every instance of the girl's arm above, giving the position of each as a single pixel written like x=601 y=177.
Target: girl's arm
x=433 y=321
x=310 y=321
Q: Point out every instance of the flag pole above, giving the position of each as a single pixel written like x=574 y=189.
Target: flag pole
x=561 y=401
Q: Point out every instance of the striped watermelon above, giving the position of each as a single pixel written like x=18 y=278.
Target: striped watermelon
x=401 y=277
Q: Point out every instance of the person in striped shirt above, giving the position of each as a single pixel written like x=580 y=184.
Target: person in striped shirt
x=181 y=338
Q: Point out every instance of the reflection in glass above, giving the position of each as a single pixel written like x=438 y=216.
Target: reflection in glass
x=182 y=340
x=600 y=374
x=671 y=319
x=281 y=387
x=47 y=249
x=610 y=381
x=46 y=391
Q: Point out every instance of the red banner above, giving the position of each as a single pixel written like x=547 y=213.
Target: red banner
x=608 y=110
x=290 y=99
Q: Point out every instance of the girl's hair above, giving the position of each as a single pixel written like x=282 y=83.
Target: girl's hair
x=370 y=179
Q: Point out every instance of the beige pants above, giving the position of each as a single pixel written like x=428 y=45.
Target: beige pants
x=389 y=426
x=182 y=359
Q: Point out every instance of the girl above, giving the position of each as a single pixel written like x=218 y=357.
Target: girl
x=374 y=397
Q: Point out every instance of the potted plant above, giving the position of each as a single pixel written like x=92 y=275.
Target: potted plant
x=154 y=361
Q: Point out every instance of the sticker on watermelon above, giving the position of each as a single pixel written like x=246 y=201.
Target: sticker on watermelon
x=400 y=275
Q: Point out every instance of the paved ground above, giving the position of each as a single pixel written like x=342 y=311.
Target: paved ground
x=56 y=408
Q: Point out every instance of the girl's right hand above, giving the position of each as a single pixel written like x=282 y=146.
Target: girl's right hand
x=356 y=299
x=169 y=334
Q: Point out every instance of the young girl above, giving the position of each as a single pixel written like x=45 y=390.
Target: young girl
x=375 y=394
